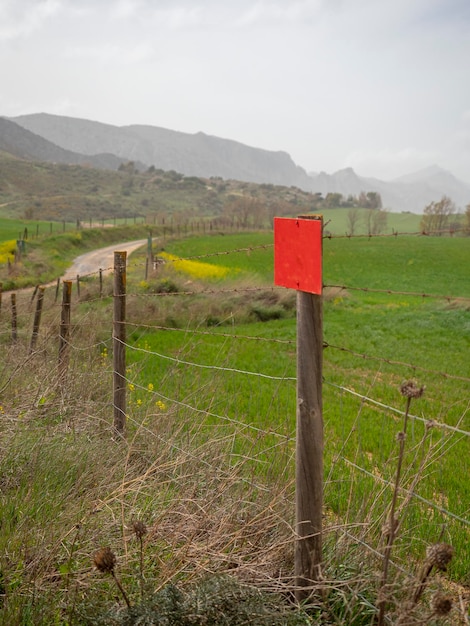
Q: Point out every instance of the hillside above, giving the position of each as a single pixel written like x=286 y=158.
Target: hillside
x=191 y=154
x=70 y=140
x=22 y=143
x=54 y=191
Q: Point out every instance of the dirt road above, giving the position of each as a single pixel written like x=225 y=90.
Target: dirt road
x=103 y=258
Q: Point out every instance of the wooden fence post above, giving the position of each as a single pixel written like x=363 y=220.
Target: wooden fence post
x=37 y=319
x=101 y=283
x=119 y=339
x=64 y=346
x=309 y=455
x=35 y=290
x=298 y=265
x=14 y=318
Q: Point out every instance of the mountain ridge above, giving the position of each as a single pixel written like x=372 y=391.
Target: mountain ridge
x=202 y=155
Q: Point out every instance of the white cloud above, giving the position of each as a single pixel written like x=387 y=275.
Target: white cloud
x=264 y=12
x=112 y=53
x=124 y=9
x=19 y=18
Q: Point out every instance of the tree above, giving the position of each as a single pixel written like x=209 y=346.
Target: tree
x=247 y=211
x=436 y=216
x=375 y=221
x=353 y=220
x=370 y=200
x=333 y=200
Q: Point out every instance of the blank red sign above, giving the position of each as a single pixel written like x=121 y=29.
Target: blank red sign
x=298 y=254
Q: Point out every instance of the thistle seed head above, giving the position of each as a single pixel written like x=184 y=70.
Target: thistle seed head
x=410 y=389
x=439 y=555
x=441 y=604
x=105 y=560
x=139 y=528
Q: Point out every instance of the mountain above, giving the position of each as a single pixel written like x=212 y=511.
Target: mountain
x=190 y=154
x=407 y=193
x=24 y=144
x=72 y=140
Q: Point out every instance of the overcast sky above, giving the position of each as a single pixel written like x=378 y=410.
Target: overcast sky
x=382 y=86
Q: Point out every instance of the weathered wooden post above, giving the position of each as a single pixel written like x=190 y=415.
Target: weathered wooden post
x=64 y=347
x=119 y=339
x=35 y=290
x=37 y=319
x=14 y=318
x=57 y=287
x=298 y=265
x=101 y=283
x=149 y=259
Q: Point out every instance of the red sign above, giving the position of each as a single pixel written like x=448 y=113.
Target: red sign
x=298 y=253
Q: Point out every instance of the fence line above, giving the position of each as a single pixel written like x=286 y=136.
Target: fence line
x=453 y=430
x=417 y=233
x=208 y=367
x=361 y=355
x=293 y=378
x=415 y=294
x=192 y=331
x=224 y=418
x=412 y=494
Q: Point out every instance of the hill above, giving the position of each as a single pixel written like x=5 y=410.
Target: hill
x=24 y=144
x=71 y=140
x=191 y=154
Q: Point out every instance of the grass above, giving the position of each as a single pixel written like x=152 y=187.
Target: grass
x=429 y=334
x=208 y=459
x=46 y=258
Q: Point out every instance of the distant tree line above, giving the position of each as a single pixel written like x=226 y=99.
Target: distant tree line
x=440 y=217
x=364 y=200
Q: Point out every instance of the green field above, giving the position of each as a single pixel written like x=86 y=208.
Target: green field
x=208 y=459
x=396 y=336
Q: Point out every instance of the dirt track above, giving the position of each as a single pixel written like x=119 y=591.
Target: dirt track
x=103 y=258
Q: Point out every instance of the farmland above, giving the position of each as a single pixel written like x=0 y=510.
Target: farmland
x=211 y=419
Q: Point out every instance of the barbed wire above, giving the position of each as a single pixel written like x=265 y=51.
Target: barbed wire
x=207 y=367
x=361 y=355
x=225 y=418
x=190 y=455
x=268 y=288
x=412 y=494
x=382 y=405
x=292 y=342
x=211 y=333
x=418 y=233
x=416 y=294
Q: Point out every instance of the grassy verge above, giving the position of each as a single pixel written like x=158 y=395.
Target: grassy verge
x=46 y=259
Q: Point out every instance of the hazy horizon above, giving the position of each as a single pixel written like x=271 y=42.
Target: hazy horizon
x=380 y=87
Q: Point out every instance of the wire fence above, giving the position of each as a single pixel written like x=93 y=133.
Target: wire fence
x=240 y=385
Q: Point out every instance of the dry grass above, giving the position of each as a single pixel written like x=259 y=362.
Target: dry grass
x=68 y=488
